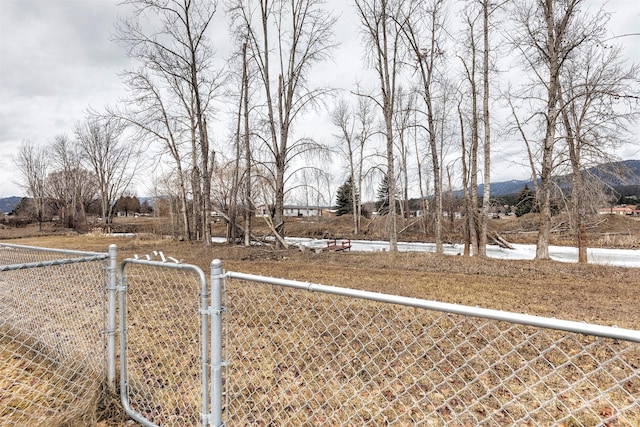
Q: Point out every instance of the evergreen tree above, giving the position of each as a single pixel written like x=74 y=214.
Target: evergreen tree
x=24 y=208
x=382 y=200
x=525 y=202
x=344 y=198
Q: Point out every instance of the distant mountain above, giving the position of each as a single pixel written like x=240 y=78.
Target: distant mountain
x=8 y=203
x=149 y=200
x=504 y=188
x=616 y=174
x=622 y=173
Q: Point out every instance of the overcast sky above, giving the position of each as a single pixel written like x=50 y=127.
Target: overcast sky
x=57 y=59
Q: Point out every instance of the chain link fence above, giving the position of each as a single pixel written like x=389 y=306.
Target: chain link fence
x=52 y=340
x=295 y=353
x=343 y=357
x=164 y=340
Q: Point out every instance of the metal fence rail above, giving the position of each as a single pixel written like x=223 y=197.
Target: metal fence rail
x=52 y=335
x=304 y=354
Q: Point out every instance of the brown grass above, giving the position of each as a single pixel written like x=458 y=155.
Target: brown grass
x=591 y=293
x=312 y=359
x=34 y=382
x=51 y=339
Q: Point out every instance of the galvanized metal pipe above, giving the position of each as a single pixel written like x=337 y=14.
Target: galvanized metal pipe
x=506 y=316
x=217 y=274
x=112 y=289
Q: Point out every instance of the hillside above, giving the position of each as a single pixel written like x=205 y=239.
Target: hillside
x=8 y=203
x=618 y=174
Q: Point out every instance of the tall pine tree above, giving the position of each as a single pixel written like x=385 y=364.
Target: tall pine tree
x=344 y=198
x=525 y=204
x=382 y=201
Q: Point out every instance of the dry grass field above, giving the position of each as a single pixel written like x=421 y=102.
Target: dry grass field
x=591 y=293
x=588 y=293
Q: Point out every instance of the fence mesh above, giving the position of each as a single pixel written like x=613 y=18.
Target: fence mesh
x=163 y=330
x=51 y=336
x=306 y=358
x=295 y=357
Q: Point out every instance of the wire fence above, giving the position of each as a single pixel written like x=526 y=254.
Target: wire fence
x=341 y=357
x=164 y=343
x=294 y=353
x=52 y=340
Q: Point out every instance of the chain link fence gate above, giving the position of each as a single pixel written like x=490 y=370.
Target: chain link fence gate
x=307 y=354
x=300 y=353
x=164 y=324
x=52 y=334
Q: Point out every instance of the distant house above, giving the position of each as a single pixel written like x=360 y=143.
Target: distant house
x=123 y=214
x=621 y=210
x=456 y=214
x=295 y=211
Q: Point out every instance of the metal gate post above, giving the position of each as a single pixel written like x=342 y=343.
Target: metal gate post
x=205 y=416
x=216 y=310
x=112 y=288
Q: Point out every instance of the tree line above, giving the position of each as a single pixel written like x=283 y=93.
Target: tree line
x=232 y=132
x=69 y=175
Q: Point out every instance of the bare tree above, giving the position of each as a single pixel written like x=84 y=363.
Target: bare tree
x=166 y=201
x=405 y=101
x=112 y=161
x=87 y=190
x=355 y=132
x=382 y=35
x=313 y=188
x=286 y=39
x=470 y=65
x=33 y=166
x=476 y=16
x=149 y=111
x=423 y=28
x=594 y=91
x=224 y=193
x=469 y=229
x=487 y=10
x=178 y=51
x=242 y=143
x=248 y=207
x=65 y=182
x=239 y=144
x=548 y=32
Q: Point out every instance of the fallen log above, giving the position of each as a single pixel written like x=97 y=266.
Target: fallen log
x=499 y=240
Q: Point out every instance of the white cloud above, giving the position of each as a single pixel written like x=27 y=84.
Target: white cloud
x=57 y=59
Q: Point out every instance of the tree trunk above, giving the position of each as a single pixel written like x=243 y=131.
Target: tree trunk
x=196 y=188
x=278 y=216
x=184 y=212
x=393 y=224
x=469 y=227
x=388 y=88
x=247 y=147
x=577 y=181
x=544 y=198
x=486 y=197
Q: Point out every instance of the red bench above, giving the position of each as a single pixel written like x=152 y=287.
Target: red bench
x=334 y=245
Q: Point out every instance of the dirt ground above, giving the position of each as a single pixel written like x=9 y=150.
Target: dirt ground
x=591 y=293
